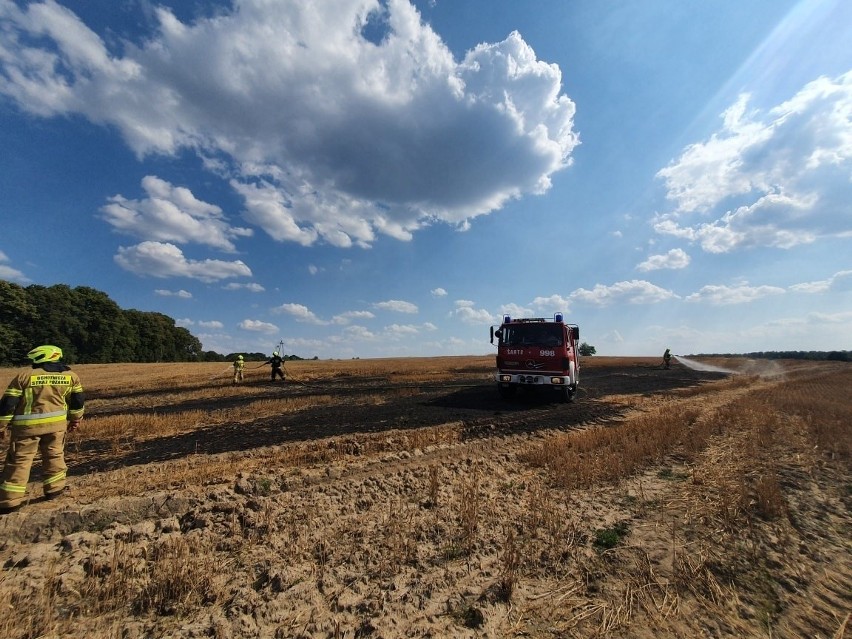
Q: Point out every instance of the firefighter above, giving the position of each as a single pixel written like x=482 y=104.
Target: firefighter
x=276 y=362
x=238 y=369
x=667 y=358
x=40 y=405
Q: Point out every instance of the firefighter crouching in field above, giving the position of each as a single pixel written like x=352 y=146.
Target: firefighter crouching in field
x=39 y=406
x=238 y=369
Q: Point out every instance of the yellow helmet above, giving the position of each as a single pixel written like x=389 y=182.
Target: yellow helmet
x=275 y=354
x=239 y=356
x=46 y=353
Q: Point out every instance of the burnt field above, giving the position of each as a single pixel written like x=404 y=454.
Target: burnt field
x=403 y=497
x=348 y=404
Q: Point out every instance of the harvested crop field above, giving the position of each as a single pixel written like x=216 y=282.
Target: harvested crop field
x=403 y=498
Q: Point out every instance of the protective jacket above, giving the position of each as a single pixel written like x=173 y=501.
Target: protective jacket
x=42 y=400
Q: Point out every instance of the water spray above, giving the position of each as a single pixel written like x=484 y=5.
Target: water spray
x=699 y=366
x=760 y=368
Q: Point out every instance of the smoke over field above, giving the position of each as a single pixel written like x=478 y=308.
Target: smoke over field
x=402 y=497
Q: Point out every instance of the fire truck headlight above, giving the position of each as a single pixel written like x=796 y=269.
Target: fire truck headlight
x=557 y=380
x=505 y=378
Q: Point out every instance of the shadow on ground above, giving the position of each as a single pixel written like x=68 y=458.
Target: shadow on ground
x=476 y=406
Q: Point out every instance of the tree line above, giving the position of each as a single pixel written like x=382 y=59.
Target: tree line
x=88 y=326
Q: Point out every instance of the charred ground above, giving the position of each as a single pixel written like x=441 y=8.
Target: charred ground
x=470 y=399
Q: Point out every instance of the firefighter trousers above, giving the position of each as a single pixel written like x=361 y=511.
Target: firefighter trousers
x=19 y=461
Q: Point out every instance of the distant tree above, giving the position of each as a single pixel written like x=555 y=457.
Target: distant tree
x=88 y=326
x=586 y=349
x=58 y=322
x=106 y=335
x=16 y=313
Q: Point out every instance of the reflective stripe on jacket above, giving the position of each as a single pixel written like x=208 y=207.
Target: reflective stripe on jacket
x=42 y=399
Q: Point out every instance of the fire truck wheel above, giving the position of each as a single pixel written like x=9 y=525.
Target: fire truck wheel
x=507 y=391
x=568 y=394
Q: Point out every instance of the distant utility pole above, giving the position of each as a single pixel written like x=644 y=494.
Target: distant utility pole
x=280 y=348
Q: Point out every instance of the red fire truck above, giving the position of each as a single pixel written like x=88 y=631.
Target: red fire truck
x=537 y=353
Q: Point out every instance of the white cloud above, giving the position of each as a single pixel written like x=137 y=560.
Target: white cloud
x=358 y=333
x=401 y=330
x=171 y=214
x=467 y=312
x=837 y=319
x=554 y=303
x=777 y=178
x=632 y=292
x=674 y=259
x=167 y=260
x=270 y=209
x=842 y=280
x=348 y=316
x=438 y=292
x=11 y=274
x=397 y=306
x=515 y=310
x=166 y=293
x=300 y=312
x=253 y=287
x=256 y=326
x=720 y=295
x=309 y=120
x=212 y=324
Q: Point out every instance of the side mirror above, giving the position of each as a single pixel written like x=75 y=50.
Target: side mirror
x=576 y=332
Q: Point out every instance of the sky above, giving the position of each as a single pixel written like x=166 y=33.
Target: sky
x=378 y=178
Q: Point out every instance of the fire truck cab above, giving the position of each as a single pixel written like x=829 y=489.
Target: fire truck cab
x=537 y=353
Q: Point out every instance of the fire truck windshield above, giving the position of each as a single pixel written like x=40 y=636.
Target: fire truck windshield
x=532 y=335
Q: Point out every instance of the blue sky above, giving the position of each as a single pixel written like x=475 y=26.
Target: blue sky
x=366 y=179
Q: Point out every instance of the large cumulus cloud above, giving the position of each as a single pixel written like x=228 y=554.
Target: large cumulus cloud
x=777 y=178
x=327 y=134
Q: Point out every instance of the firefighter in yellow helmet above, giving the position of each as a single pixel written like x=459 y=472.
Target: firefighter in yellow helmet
x=40 y=405
x=238 y=369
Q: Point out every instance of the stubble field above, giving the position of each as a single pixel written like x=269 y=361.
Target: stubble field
x=403 y=498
